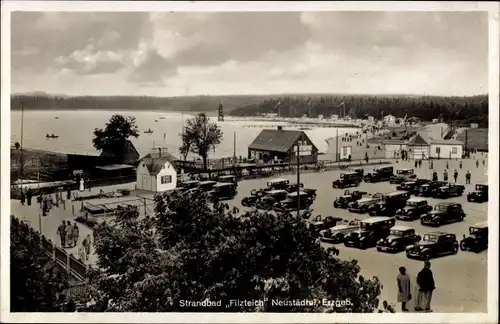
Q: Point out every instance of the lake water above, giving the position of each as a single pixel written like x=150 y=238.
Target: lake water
x=75 y=130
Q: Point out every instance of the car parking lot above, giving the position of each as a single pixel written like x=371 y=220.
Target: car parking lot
x=461 y=279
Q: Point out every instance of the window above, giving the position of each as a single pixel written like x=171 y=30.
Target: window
x=438 y=150
x=453 y=150
x=166 y=179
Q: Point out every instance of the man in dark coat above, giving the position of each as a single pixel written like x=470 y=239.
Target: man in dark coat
x=426 y=284
x=29 y=195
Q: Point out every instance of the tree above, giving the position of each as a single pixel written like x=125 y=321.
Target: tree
x=193 y=251
x=112 y=139
x=200 y=136
x=184 y=149
x=35 y=281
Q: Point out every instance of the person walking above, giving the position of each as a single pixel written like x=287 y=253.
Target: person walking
x=61 y=231
x=45 y=205
x=416 y=164
x=50 y=202
x=477 y=163
x=434 y=176
x=426 y=284
x=483 y=162
x=68 y=194
x=23 y=197
x=460 y=164
x=29 y=195
x=404 y=288
x=349 y=158
x=86 y=244
x=455 y=175
x=366 y=157
x=419 y=163
x=69 y=235
x=447 y=165
x=76 y=233
x=445 y=175
x=467 y=177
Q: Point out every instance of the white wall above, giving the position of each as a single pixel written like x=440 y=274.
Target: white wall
x=391 y=149
x=168 y=169
x=446 y=151
x=144 y=180
x=418 y=152
x=345 y=151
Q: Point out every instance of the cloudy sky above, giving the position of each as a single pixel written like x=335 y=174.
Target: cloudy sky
x=191 y=53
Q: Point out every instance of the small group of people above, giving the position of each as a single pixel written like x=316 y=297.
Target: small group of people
x=26 y=196
x=68 y=233
x=426 y=286
x=418 y=163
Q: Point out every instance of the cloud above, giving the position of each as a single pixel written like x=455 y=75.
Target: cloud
x=259 y=51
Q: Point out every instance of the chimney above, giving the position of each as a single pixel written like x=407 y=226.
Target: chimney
x=280 y=128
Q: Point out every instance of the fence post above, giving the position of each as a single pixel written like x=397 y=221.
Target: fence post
x=73 y=209
x=67 y=262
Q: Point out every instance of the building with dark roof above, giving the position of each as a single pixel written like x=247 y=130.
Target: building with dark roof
x=129 y=155
x=156 y=172
x=281 y=145
x=422 y=147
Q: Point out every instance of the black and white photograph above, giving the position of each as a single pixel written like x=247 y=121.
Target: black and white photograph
x=250 y=162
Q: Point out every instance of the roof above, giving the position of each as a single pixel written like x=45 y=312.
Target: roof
x=437 y=233
x=155 y=165
x=416 y=199
x=129 y=153
x=480 y=225
x=418 y=139
x=272 y=192
x=376 y=219
x=223 y=184
x=395 y=193
x=401 y=228
x=114 y=167
x=476 y=138
x=276 y=140
x=207 y=182
x=278 y=180
x=446 y=142
x=293 y=194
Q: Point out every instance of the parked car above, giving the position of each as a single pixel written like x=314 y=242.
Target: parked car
x=400 y=237
x=415 y=207
x=449 y=190
x=349 y=196
x=278 y=184
x=255 y=195
x=477 y=240
x=347 y=179
x=434 y=244
x=186 y=185
x=429 y=189
x=380 y=174
x=362 y=205
x=268 y=201
x=411 y=185
x=228 y=179
x=370 y=232
x=403 y=175
x=389 y=204
x=291 y=201
x=479 y=195
x=443 y=213
x=292 y=187
x=223 y=190
x=321 y=223
x=206 y=186
x=337 y=233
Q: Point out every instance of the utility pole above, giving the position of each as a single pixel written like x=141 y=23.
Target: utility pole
x=234 y=152
x=22 y=148
x=38 y=185
x=466 y=149
x=337 y=146
x=298 y=177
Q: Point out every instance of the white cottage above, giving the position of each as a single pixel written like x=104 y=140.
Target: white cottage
x=156 y=172
x=390 y=120
x=393 y=148
x=446 y=149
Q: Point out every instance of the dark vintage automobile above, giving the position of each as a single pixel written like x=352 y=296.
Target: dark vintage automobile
x=278 y=184
x=347 y=179
x=349 y=196
x=228 y=179
x=321 y=223
x=370 y=232
x=434 y=244
x=272 y=197
x=389 y=204
x=363 y=205
x=380 y=174
x=292 y=187
x=400 y=237
x=255 y=195
x=429 y=189
x=403 y=175
x=337 y=233
x=291 y=202
x=415 y=207
x=224 y=190
x=443 y=213
x=206 y=186
x=411 y=185
x=477 y=240
x=190 y=184
x=449 y=190
x=479 y=195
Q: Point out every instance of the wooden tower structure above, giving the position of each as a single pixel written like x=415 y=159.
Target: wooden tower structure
x=220 y=116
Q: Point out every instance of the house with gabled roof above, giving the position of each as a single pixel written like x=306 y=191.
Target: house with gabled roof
x=156 y=172
x=423 y=147
x=281 y=145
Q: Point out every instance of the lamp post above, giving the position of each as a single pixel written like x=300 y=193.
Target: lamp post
x=22 y=148
x=298 y=177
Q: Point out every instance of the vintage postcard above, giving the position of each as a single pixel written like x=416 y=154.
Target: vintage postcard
x=241 y=162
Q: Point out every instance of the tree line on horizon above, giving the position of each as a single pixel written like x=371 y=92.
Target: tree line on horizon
x=472 y=109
